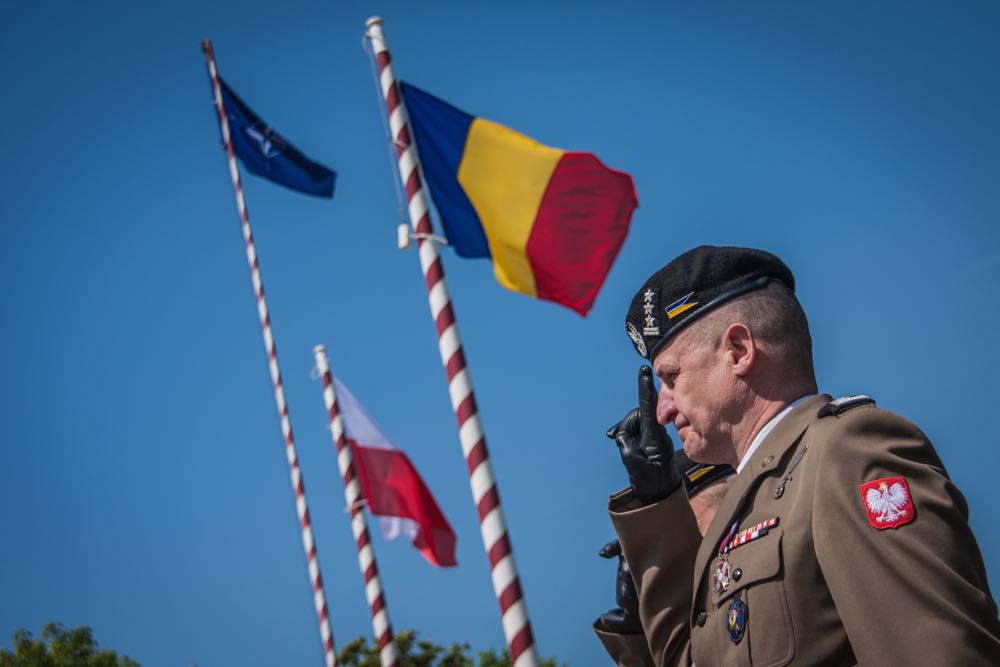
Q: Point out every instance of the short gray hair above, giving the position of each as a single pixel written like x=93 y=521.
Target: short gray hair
x=776 y=320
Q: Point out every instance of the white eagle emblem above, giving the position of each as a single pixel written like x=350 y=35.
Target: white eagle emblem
x=887 y=503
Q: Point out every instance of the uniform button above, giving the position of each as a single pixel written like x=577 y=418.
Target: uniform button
x=767 y=461
x=700 y=619
x=737 y=574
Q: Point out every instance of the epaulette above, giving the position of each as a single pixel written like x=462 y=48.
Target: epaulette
x=843 y=404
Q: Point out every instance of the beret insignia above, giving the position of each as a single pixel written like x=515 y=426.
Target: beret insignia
x=715 y=274
x=649 y=313
x=633 y=333
x=679 y=306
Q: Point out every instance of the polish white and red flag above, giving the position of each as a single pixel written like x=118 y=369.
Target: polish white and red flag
x=392 y=487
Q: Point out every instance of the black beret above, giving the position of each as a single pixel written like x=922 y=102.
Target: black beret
x=699 y=475
x=693 y=284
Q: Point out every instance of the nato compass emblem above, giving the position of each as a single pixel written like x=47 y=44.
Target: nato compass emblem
x=267 y=142
x=633 y=333
x=736 y=620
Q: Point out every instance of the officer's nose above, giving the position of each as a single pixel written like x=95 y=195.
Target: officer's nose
x=665 y=408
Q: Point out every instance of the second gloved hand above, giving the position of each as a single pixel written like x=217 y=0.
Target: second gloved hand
x=623 y=619
x=645 y=447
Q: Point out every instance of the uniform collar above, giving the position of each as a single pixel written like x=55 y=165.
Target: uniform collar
x=763 y=433
x=782 y=438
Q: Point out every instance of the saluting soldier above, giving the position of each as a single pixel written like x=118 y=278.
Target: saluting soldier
x=841 y=540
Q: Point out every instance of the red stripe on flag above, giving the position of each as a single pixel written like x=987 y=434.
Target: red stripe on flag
x=582 y=222
x=393 y=487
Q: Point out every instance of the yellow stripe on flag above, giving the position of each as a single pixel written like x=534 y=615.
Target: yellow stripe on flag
x=505 y=174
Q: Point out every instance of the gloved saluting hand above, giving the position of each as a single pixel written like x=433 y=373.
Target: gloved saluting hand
x=645 y=447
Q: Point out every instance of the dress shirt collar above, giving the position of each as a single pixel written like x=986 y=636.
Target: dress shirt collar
x=763 y=433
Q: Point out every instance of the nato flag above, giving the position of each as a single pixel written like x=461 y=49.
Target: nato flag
x=266 y=153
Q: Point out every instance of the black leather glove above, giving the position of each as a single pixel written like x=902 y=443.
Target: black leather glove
x=624 y=619
x=645 y=447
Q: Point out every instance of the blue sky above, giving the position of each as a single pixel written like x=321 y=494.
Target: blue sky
x=144 y=490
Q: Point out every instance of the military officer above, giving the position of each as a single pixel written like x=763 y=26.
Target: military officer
x=841 y=540
x=619 y=629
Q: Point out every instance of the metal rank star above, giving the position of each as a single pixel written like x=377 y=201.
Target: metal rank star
x=651 y=328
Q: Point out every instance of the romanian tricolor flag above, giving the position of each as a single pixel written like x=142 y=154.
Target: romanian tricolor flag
x=552 y=221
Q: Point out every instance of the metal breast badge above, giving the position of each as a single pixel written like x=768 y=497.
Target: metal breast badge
x=723 y=575
x=723 y=568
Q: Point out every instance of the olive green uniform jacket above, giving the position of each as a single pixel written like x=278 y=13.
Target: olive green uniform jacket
x=823 y=586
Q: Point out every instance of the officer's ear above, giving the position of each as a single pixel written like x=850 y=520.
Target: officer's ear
x=739 y=349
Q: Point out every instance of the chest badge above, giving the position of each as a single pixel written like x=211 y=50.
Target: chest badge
x=888 y=502
x=723 y=575
x=736 y=620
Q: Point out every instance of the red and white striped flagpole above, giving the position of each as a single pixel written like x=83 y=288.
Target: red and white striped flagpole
x=352 y=496
x=492 y=525
x=319 y=599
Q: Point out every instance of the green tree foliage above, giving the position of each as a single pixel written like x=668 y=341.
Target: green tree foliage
x=415 y=652
x=59 y=647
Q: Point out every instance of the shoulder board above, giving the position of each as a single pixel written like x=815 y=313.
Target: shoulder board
x=843 y=404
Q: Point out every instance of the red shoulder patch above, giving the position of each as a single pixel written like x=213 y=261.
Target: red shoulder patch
x=888 y=502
